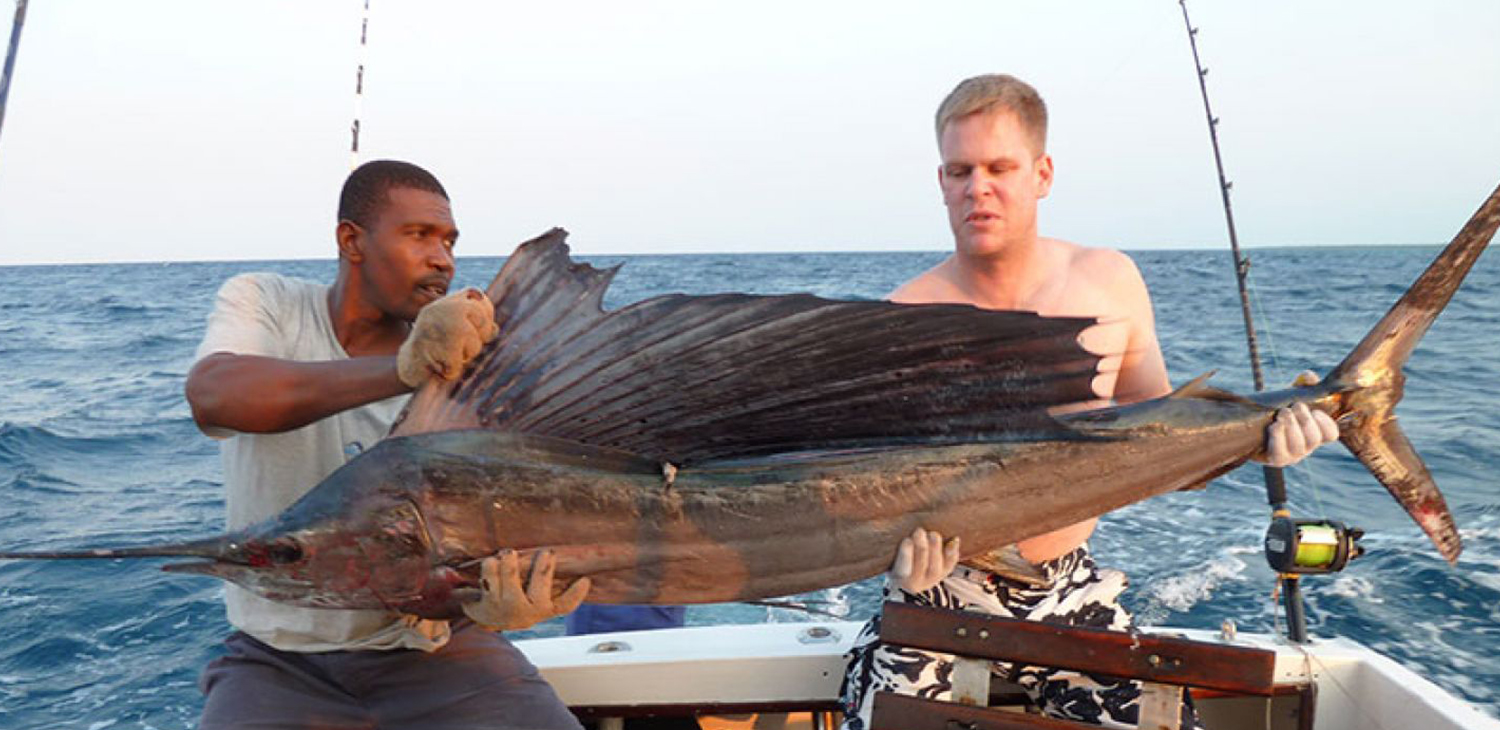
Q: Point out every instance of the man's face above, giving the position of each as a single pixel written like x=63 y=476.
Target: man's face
x=991 y=179
x=408 y=252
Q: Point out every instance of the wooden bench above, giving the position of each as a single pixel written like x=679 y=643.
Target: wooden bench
x=1163 y=665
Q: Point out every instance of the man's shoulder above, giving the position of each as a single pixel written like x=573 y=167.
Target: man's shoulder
x=1098 y=266
x=1090 y=258
x=270 y=289
x=932 y=285
x=270 y=282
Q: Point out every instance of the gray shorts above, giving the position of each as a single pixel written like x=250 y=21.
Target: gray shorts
x=478 y=680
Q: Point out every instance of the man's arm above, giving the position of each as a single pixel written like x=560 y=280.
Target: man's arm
x=1292 y=436
x=255 y=394
x=1143 y=370
x=242 y=388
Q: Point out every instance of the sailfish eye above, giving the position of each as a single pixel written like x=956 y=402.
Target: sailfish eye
x=283 y=551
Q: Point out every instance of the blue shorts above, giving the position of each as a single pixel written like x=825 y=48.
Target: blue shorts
x=598 y=618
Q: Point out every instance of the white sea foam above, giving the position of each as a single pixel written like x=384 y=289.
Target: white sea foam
x=1353 y=586
x=1182 y=591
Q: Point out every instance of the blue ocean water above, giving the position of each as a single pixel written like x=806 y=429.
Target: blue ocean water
x=97 y=447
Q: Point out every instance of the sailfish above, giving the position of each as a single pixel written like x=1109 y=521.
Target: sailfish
x=694 y=449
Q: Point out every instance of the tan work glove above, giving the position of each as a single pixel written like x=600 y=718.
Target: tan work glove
x=923 y=561
x=448 y=334
x=505 y=607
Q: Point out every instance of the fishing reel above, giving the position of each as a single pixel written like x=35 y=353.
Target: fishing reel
x=1311 y=546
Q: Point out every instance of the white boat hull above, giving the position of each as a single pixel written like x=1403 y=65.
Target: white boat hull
x=790 y=664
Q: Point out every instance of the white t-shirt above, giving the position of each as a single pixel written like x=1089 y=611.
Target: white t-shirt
x=276 y=316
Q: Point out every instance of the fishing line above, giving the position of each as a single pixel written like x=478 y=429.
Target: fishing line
x=1305 y=466
x=1149 y=32
x=805 y=606
x=1265 y=323
x=1309 y=659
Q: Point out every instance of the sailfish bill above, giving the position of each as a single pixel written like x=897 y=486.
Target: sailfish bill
x=692 y=449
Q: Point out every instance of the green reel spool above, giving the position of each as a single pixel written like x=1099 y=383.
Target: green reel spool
x=1311 y=546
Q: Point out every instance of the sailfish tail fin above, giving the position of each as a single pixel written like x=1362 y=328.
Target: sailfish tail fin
x=1372 y=382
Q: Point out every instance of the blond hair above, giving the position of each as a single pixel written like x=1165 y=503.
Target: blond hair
x=997 y=92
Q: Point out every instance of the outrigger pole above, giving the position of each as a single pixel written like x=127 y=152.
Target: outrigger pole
x=10 y=56
x=1291 y=588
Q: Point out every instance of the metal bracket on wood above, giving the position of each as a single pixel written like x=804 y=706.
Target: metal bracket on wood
x=971 y=681
x=1160 y=706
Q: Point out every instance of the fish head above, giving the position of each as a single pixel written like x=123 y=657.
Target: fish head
x=382 y=562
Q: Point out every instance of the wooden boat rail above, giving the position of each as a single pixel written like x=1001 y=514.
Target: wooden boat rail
x=1163 y=664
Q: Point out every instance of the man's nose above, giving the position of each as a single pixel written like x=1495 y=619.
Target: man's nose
x=441 y=258
x=977 y=186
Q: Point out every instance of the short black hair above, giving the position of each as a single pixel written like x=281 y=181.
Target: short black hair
x=364 y=193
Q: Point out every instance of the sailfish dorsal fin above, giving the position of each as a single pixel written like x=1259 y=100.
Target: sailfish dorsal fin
x=684 y=379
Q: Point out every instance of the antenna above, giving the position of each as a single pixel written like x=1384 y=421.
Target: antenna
x=1291 y=587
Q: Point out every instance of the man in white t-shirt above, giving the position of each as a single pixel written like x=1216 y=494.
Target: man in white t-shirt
x=296 y=377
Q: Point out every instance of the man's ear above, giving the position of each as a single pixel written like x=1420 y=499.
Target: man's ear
x=351 y=240
x=1043 y=175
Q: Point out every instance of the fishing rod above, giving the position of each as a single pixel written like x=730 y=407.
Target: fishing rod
x=359 y=87
x=1293 y=547
x=10 y=56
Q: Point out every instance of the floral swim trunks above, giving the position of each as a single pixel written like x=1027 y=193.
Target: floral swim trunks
x=1068 y=590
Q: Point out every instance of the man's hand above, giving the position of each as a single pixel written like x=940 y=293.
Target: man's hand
x=448 y=334
x=1298 y=431
x=505 y=607
x=923 y=561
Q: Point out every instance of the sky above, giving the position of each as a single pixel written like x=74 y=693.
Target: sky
x=160 y=130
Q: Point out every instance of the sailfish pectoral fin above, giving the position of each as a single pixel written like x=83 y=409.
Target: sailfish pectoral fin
x=1381 y=446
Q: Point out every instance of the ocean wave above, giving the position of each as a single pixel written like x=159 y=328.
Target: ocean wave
x=29 y=445
x=17 y=443
x=30 y=480
x=49 y=652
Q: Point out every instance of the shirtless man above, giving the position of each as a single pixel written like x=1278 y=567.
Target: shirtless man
x=992 y=138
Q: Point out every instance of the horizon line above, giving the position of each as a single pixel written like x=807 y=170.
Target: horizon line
x=770 y=252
